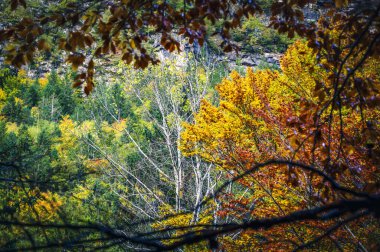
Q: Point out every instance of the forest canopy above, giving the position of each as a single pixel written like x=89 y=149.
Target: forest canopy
x=153 y=140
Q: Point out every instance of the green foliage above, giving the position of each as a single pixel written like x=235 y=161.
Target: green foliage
x=33 y=93
x=61 y=90
x=112 y=154
x=256 y=36
x=253 y=36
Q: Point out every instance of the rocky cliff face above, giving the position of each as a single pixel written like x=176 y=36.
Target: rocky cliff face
x=233 y=59
x=107 y=66
x=252 y=60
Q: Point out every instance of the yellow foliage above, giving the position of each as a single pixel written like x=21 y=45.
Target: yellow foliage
x=68 y=132
x=47 y=205
x=301 y=71
x=68 y=141
x=116 y=129
x=22 y=77
x=43 y=81
x=44 y=208
x=202 y=75
x=87 y=127
x=260 y=117
x=219 y=130
x=12 y=127
x=19 y=101
x=3 y=95
x=173 y=220
x=95 y=165
x=247 y=127
x=34 y=111
x=82 y=193
x=34 y=131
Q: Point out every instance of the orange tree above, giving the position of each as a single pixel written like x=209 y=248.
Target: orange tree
x=300 y=148
x=262 y=117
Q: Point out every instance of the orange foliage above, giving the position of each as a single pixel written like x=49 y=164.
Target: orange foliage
x=283 y=115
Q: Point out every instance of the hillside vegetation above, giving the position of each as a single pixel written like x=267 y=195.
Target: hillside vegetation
x=165 y=142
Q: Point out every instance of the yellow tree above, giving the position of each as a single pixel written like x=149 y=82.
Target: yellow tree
x=270 y=115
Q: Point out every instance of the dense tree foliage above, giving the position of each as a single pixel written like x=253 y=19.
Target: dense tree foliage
x=184 y=155
x=258 y=119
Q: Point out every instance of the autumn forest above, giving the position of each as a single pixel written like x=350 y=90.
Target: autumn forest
x=194 y=125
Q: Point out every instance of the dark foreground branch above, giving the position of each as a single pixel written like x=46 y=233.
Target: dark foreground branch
x=356 y=209
x=324 y=213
